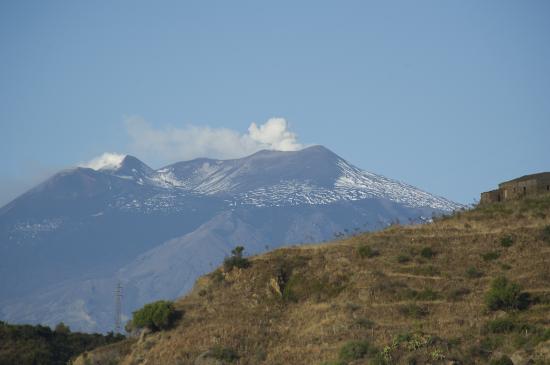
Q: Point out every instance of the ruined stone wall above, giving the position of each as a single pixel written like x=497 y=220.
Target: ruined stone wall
x=490 y=197
x=518 y=188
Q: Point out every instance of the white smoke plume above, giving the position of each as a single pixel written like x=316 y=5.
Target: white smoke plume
x=174 y=144
x=107 y=161
x=275 y=134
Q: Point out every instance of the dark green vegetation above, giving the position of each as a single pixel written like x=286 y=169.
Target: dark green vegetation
x=490 y=256
x=427 y=252
x=367 y=251
x=473 y=273
x=546 y=234
x=154 y=316
x=223 y=354
x=503 y=360
x=506 y=295
x=355 y=350
x=402 y=259
x=26 y=344
x=506 y=241
x=236 y=259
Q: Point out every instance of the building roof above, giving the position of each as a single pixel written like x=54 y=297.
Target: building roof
x=527 y=177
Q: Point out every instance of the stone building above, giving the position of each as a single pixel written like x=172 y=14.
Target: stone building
x=517 y=188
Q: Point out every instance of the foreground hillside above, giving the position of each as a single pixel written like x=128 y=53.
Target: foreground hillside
x=405 y=295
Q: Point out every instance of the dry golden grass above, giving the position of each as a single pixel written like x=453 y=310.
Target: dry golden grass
x=332 y=295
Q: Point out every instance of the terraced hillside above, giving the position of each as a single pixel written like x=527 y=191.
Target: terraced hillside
x=473 y=288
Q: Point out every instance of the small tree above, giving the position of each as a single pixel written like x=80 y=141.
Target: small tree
x=505 y=295
x=155 y=316
x=236 y=259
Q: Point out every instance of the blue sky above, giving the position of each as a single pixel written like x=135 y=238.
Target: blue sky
x=450 y=96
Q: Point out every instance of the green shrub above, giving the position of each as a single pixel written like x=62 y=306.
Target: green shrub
x=473 y=273
x=236 y=259
x=457 y=294
x=506 y=241
x=354 y=350
x=501 y=325
x=427 y=253
x=378 y=359
x=367 y=251
x=223 y=354
x=505 y=295
x=503 y=360
x=490 y=256
x=546 y=234
x=155 y=316
x=403 y=259
x=414 y=311
x=484 y=347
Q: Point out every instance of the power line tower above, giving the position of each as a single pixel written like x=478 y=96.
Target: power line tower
x=118 y=307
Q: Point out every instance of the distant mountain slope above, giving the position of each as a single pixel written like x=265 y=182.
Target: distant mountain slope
x=130 y=222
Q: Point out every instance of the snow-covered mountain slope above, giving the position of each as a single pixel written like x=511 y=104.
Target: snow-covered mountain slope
x=64 y=242
x=314 y=176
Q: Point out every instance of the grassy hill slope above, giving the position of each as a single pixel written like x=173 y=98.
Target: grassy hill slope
x=404 y=295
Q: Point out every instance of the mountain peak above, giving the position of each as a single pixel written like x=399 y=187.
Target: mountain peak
x=307 y=150
x=318 y=149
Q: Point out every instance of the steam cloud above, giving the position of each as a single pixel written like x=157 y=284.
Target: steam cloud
x=105 y=161
x=173 y=144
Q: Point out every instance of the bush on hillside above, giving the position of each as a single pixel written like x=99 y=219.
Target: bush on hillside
x=473 y=273
x=155 y=316
x=414 y=311
x=457 y=294
x=427 y=252
x=490 y=256
x=402 y=259
x=367 y=251
x=507 y=241
x=505 y=295
x=503 y=360
x=354 y=350
x=546 y=234
x=224 y=354
x=236 y=259
x=501 y=325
